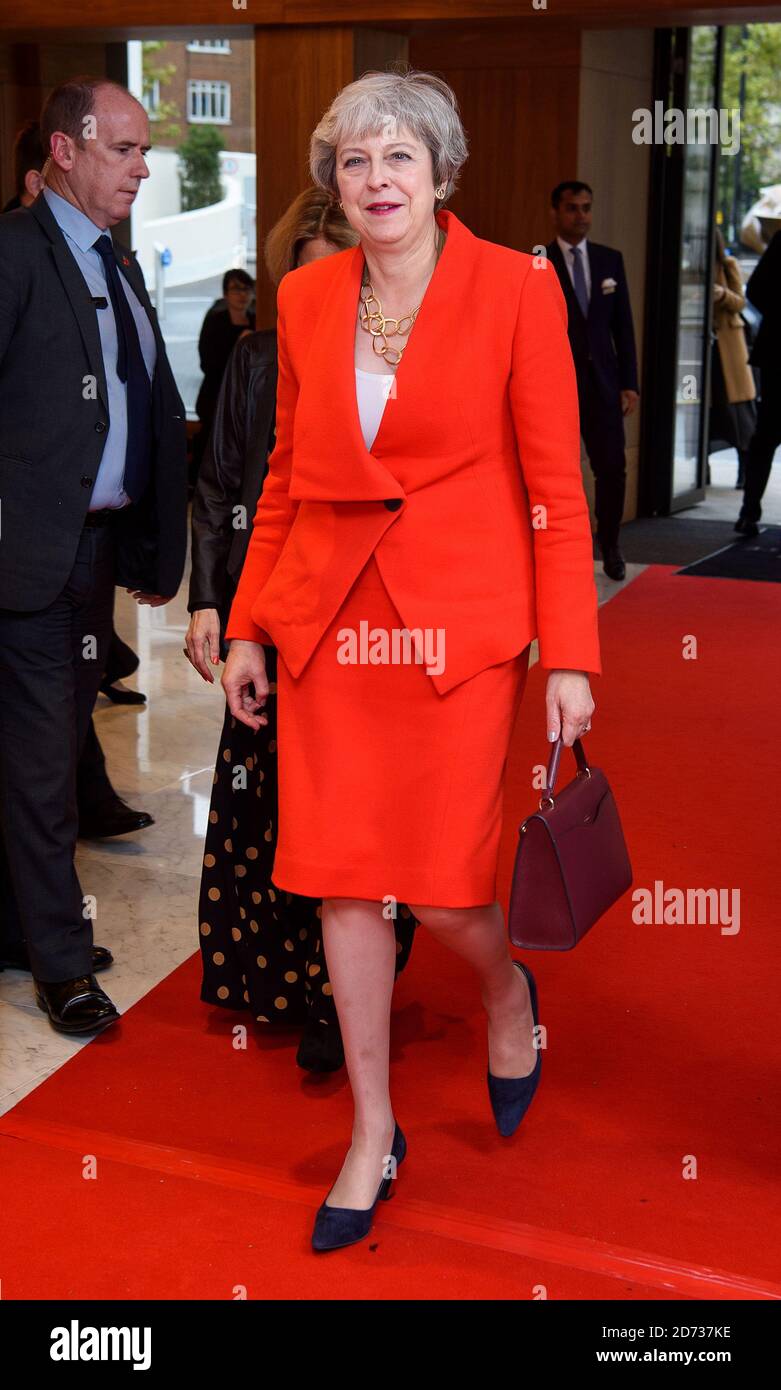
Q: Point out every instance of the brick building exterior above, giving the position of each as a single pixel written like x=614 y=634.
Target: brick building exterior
x=213 y=84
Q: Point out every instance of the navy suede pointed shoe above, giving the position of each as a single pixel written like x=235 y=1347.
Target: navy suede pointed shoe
x=511 y=1096
x=337 y=1226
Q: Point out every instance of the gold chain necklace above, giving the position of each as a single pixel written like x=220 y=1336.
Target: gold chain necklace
x=374 y=321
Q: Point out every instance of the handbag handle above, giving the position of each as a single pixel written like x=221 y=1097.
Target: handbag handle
x=553 y=767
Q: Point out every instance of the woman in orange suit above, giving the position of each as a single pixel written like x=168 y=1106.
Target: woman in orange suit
x=423 y=520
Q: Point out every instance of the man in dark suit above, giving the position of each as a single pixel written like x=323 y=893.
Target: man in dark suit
x=102 y=812
x=764 y=291
x=603 y=346
x=92 y=494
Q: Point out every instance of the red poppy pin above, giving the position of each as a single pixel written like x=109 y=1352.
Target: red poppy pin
x=125 y=260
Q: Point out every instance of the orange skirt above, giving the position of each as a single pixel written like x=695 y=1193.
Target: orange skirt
x=387 y=787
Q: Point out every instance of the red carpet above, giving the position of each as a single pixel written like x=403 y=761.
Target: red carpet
x=662 y=1052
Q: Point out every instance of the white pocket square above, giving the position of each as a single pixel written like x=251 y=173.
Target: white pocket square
x=608 y=286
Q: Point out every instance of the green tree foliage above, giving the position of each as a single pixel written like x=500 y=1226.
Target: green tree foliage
x=752 y=64
x=199 y=170
x=167 y=115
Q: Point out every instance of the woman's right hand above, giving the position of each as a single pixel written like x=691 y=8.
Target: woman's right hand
x=204 y=631
x=246 y=665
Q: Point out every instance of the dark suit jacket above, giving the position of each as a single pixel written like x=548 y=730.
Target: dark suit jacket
x=53 y=428
x=605 y=341
x=764 y=291
x=234 y=466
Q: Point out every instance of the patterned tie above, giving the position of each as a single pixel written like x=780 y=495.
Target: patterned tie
x=580 y=280
x=131 y=369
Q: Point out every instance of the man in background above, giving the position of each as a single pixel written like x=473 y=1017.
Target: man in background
x=102 y=812
x=28 y=162
x=93 y=488
x=603 y=346
x=764 y=291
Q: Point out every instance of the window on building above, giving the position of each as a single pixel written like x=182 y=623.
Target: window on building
x=209 y=46
x=151 y=97
x=209 y=101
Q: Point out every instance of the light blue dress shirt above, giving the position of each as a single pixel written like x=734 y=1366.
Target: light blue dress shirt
x=80 y=235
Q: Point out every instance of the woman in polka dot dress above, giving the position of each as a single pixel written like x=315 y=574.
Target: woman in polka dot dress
x=261 y=947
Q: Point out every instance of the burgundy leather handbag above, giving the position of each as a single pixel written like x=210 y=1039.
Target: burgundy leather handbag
x=572 y=862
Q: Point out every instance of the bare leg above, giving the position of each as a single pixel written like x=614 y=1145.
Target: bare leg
x=479 y=935
x=360 y=948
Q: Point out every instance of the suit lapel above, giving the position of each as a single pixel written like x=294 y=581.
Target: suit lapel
x=595 y=262
x=331 y=461
x=162 y=378
x=128 y=265
x=573 y=303
x=77 y=291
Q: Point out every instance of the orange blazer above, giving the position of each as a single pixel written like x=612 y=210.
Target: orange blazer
x=480 y=441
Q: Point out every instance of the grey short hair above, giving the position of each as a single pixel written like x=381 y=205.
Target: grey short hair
x=420 y=102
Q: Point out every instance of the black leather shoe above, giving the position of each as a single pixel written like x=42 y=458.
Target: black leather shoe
x=119 y=696
x=613 y=562
x=17 y=958
x=320 y=1048
x=511 y=1096
x=121 y=660
x=76 y=1006
x=746 y=528
x=338 y=1226
x=114 y=818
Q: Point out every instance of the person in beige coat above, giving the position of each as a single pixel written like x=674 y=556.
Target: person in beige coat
x=733 y=389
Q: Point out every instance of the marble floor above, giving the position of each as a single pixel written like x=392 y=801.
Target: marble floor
x=161 y=758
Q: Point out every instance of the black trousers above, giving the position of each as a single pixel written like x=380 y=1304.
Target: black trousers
x=51 y=663
x=766 y=440
x=94 y=789
x=93 y=785
x=602 y=427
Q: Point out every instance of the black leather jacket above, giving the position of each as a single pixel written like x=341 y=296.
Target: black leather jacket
x=234 y=466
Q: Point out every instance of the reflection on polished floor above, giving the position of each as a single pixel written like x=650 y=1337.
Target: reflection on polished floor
x=160 y=757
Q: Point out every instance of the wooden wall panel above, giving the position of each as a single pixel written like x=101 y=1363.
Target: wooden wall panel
x=297 y=74
x=519 y=105
x=20 y=79
x=134 y=15
x=377 y=48
x=28 y=72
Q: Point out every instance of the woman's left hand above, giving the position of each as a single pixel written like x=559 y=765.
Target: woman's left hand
x=154 y=600
x=203 y=635
x=569 y=705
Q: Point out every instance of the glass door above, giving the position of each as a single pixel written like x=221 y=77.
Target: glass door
x=678 y=318
x=692 y=375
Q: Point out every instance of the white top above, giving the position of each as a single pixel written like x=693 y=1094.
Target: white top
x=569 y=261
x=372 y=390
